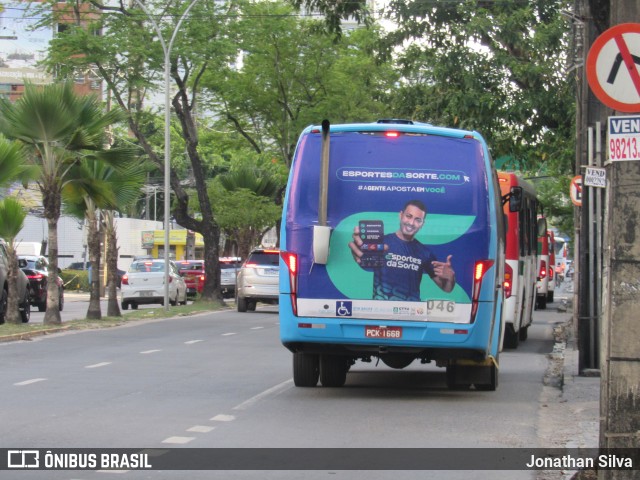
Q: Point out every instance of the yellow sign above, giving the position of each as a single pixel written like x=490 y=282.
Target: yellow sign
x=176 y=237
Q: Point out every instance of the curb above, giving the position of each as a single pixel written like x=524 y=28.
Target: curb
x=29 y=335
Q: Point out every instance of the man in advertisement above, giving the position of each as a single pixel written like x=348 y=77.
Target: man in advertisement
x=398 y=260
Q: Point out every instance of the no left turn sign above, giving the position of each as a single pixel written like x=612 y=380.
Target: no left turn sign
x=612 y=67
x=575 y=190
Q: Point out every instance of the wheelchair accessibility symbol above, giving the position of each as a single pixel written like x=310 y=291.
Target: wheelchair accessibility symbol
x=343 y=309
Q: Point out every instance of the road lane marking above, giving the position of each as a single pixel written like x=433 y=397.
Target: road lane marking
x=150 y=351
x=276 y=390
x=223 y=418
x=200 y=429
x=178 y=440
x=191 y=342
x=256 y=328
x=228 y=334
x=29 y=382
x=98 y=365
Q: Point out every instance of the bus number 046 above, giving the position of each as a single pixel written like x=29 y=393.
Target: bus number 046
x=441 y=305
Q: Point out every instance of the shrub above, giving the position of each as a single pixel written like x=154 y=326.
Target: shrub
x=75 y=280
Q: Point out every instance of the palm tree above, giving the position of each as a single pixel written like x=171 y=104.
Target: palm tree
x=59 y=128
x=83 y=196
x=97 y=191
x=12 y=215
x=12 y=163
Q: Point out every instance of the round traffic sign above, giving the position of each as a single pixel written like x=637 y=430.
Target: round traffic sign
x=575 y=190
x=612 y=67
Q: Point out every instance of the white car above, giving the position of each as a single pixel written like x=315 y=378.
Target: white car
x=144 y=283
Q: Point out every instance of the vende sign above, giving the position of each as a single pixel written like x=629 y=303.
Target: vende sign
x=624 y=138
x=595 y=177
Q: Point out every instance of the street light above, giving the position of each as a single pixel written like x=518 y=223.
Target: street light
x=167 y=138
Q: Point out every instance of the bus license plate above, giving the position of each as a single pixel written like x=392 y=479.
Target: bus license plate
x=382 y=332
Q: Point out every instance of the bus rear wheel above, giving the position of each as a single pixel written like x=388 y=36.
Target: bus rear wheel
x=333 y=370
x=306 y=369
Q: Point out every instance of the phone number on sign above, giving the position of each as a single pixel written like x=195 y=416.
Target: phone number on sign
x=624 y=148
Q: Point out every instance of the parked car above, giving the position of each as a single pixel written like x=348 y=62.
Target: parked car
x=229 y=267
x=143 y=283
x=22 y=284
x=258 y=279
x=193 y=273
x=36 y=268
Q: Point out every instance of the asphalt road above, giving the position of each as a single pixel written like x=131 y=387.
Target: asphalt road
x=222 y=380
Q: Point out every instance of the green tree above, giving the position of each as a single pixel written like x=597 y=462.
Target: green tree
x=292 y=75
x=58 y=128
x=244 y=205
x=12 y=215
x=126 y=184
x=93 y=191
x=500 y=67
x=129 y=58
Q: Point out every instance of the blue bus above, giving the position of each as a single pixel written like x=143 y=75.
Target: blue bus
x=392 y=247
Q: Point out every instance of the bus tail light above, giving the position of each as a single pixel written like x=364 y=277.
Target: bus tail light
x=543 y=269
x=508 y=280
x=550 y=272
x=291 y=261
x=480 y=269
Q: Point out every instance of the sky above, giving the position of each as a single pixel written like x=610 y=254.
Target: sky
x=31 y=43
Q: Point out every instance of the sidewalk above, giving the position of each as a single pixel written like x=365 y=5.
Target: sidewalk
x=570 y=413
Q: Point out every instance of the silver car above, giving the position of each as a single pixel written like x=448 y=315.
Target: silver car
x=258 y=279
x=229 y=267
x=144 y=283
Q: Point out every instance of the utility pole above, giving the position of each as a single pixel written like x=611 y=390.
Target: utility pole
x=589 y=112
x=619 y=329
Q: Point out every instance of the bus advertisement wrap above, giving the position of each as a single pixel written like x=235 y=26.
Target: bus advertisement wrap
x=454 y=227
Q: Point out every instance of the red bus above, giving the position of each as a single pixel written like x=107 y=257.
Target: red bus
x=520 y=264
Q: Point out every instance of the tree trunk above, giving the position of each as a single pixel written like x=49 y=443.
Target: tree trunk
x=111 y=237
x=207 y=227
x=12 y=315
x=93 y=242
x=52 y=314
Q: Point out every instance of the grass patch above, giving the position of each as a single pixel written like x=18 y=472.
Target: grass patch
x=9 y=331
